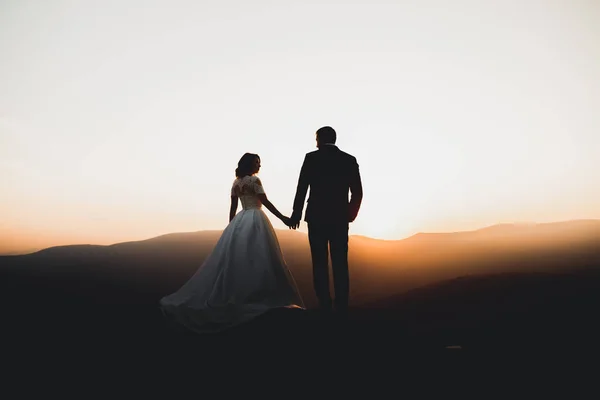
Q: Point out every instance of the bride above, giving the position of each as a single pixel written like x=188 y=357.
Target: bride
x=245 y=275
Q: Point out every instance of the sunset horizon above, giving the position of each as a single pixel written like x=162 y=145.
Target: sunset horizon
x=27 y=249
x=460 y=116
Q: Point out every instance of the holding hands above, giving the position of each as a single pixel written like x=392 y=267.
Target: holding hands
x=290 y=223
x=286 y=220
x=294 y=224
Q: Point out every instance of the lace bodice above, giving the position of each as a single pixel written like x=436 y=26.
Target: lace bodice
x=247 y=190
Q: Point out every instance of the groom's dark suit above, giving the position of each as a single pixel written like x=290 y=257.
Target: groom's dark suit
x=330 y=173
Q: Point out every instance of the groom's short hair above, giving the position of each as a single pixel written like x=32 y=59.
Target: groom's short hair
x=326 y=134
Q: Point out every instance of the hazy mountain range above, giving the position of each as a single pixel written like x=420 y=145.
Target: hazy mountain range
x=379 y=268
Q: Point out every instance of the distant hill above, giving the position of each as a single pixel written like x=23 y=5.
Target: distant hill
x=525 y=234
x=379 y=268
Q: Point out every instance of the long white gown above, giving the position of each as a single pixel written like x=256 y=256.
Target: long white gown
x=244 y=276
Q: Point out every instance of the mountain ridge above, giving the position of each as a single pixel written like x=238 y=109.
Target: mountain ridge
x=492 y=231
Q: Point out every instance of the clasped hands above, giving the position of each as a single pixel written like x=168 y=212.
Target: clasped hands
x=295 y=223
x=291 y=223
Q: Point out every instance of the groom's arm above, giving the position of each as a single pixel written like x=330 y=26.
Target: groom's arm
x=356 y=191
x=301 y=190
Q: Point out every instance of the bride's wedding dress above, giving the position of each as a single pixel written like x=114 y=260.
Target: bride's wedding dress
x=243 y=277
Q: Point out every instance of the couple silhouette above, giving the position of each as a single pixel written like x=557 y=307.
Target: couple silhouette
x=245 y=275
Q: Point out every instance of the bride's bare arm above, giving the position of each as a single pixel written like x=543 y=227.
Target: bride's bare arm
x=233 y=208
x=271 y=207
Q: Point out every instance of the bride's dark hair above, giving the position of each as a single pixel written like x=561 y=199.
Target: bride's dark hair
x=246 y=165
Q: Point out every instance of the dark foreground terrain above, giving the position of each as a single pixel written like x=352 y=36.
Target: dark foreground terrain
x=74 y=329
x=505 y=304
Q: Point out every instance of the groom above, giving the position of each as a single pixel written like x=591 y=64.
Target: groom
x=330 y=173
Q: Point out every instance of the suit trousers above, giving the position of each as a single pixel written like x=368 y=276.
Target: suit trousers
x=327 y=238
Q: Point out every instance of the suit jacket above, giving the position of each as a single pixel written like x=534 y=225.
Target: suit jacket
x=331 y=174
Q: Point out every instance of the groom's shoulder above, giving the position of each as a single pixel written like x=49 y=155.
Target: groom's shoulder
x=348 y=156
x=311 y=154
x=340 y=154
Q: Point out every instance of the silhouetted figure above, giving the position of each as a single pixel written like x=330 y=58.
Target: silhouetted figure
x=330 y=173
x=245 y=275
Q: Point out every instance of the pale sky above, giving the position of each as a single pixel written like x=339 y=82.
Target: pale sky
x=123 y=120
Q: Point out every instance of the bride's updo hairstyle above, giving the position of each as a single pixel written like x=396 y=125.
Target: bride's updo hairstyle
x=246 y=165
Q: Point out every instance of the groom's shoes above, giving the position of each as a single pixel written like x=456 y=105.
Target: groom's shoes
x=324 y=314
x=340 y=316
x=341 y=308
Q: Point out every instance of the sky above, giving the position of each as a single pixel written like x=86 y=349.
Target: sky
x=124 y=120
